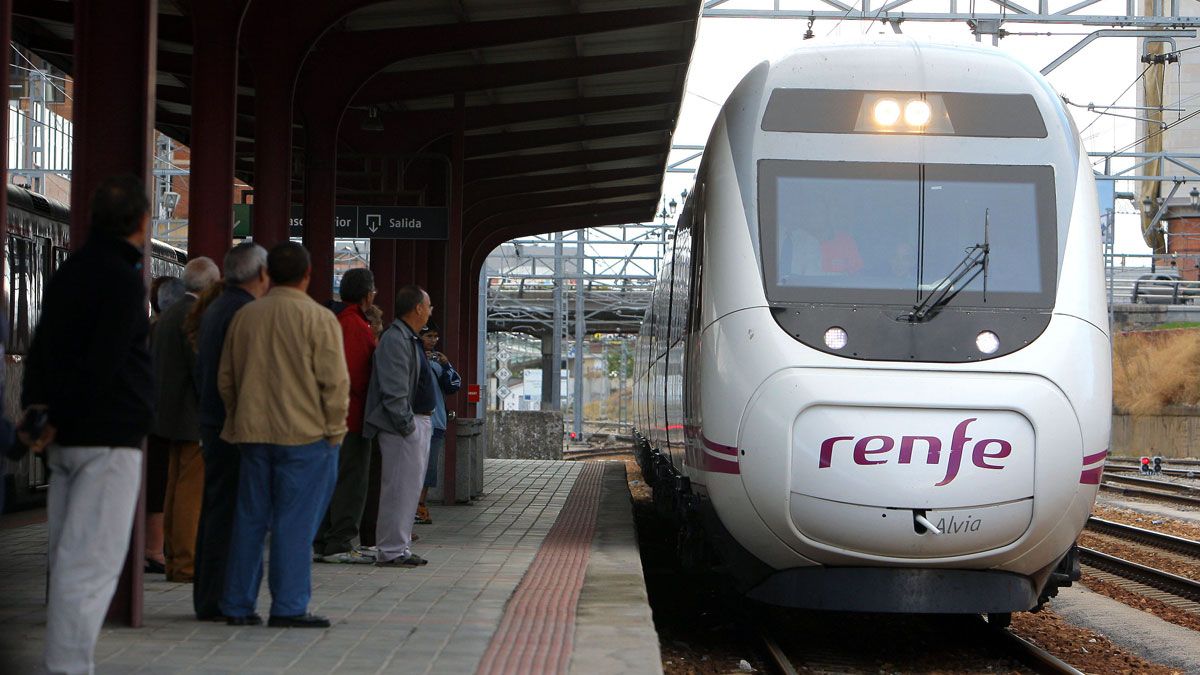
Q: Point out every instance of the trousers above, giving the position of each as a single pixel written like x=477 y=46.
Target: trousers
x=370 y=516
x=340 y=525
x=181 y=511
x=284 y=489
x=93 y=493
x=222 y=467
x=402 y=477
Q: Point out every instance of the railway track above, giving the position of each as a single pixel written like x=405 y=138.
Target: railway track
x=1162 y=494
x=1133 y=468
x=1172 y=584
x=1155 y=484
x=1001 y=642
x=576 y=455
x=1166 y=542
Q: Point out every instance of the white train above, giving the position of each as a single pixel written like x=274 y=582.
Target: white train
x=876 y=373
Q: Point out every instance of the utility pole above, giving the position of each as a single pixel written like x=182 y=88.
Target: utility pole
x=555 y=373
x=579 y=327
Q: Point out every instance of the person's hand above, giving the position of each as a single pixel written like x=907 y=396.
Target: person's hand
x=442 y=358
x=44 y=439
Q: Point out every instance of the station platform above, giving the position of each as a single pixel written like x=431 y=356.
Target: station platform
x=540 y=575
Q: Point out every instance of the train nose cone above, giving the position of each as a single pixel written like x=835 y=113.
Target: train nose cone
x=898 y=464
x=911 y=483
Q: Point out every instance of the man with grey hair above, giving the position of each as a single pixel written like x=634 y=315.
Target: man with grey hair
x=176 y=421
x=245 y=280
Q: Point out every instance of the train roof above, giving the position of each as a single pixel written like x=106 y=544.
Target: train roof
x=28 y=200
x=32 y=202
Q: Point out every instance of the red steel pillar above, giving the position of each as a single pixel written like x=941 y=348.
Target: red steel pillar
x=115 y=47
x=214 y=119
x=383 y=266
x=454 y=325
x=5 y=41
x=274 y=84
x=320 y=191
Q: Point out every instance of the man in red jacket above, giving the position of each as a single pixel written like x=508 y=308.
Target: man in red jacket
x=334 y=542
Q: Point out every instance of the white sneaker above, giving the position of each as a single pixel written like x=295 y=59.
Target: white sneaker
x=369 y=551
x=349 y=558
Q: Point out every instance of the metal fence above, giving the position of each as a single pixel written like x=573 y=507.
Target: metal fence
x=1152 y=279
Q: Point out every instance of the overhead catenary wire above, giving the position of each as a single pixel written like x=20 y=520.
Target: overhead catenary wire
x=1116 y=100
x=1148 y=136
x=49 y=78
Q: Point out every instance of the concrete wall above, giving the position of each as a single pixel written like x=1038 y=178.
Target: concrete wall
x=525 y=434
x=1140 y=316
x=1174 y=433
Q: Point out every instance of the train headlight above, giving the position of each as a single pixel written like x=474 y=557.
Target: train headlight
x=917 y=113
x=987 y=342
x=887 y=111
x=836 y=338
x=903 y=112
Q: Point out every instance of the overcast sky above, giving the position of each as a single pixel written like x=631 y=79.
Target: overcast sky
x=728 y=48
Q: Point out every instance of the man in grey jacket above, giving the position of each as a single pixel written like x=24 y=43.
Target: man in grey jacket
x=400 y=399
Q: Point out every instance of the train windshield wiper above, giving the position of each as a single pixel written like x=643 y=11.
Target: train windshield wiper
x=974 y=263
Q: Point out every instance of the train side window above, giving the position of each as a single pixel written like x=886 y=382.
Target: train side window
x=22 y=300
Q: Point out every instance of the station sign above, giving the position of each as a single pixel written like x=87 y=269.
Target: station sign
x=362 y=222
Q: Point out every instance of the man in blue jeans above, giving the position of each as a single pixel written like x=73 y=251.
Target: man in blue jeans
x=286 y=390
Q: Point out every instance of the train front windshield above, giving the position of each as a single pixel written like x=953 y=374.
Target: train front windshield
x=890 y=233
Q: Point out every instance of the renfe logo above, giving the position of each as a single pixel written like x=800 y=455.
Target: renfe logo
x=870 y=446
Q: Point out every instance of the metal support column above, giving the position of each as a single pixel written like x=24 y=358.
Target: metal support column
x=214 y=120
x=274 y=87
x=6 y=41
x=383 y=266
x=110 y=140
x=320 y=191
x=580 y=238
x=452 y=283
x=481 y=340
x=554 y=377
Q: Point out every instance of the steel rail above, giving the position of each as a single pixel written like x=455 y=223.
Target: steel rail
x=1167 y=542
x=776 y=655
x=1163 y=581
x=1037 y=659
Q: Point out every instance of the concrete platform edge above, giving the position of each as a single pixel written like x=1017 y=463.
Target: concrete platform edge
x=614 y=626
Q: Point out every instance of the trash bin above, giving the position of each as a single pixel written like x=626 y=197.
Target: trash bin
x=479 y=453
x=468 y=479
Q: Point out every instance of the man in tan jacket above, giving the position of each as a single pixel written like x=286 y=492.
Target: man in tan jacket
x=286 y=390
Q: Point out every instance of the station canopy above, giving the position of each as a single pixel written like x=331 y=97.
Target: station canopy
x=569 y=105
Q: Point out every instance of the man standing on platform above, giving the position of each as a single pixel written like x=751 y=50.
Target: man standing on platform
x=176 y=420
x=245 y=280
x=448 y=382
x=335 y=537
x=88 y=390
x=399 y=402
x=286 y=390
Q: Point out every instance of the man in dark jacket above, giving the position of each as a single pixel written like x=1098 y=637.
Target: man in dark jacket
x=89 y=372
x=245 y=280
x=176 y=421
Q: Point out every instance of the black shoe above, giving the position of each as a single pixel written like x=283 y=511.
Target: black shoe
x=410 y=560
x=302 y=621
x=251 y=620
x=154 y=567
